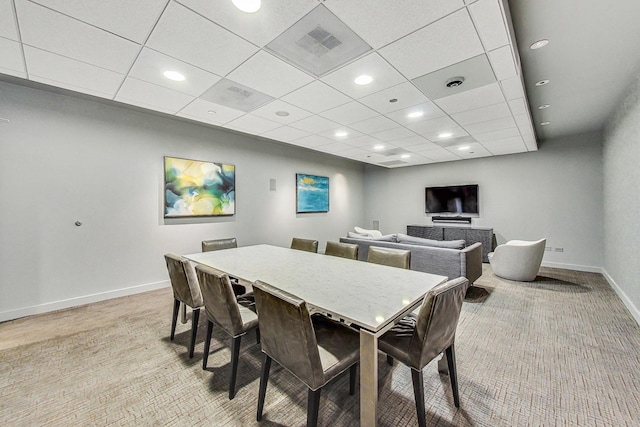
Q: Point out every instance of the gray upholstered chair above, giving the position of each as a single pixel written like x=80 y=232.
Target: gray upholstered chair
x=315 y=350
x=185 y=290
x=518 y=259
x=417 y=340
x=217 y=244
x=235 y=317
x=388 y=256
x=343 y=250
x=304 y=245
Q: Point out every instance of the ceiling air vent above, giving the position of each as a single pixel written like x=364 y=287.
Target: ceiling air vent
x=318 y=41
x=392 y=163
x=234 y=95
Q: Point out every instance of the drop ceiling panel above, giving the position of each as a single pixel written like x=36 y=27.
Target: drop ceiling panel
x=502 y=63
x=490 y=125
x=209 y=112
x=316 y=97
x=341 y=134
x=8 y=27
x=148 y=95
x=512 y=88
x=429 y=111
x=54 y=32
x=488 y=18
x=482 y=114
x=440 y=155
x=405 y=95
x=313 y=141
x=285 y=133
x=132 y=20
x=415 y=143
x=335 y=148
x=252 y=124
x=270 y=75
x=185 y=35
x=497 y=134
x=258 y=28
x=445 y=42
x=518 y=106
x=471 y=99
x=366 y=142
x=434 y=127
x=391 y=134
x=380 y=23
x=349 y=113
x=150 y=65
x=270 y=110
x=315 y=124
x=49 y=68
x=11 y=61
x=371 y=65
x=374 y=124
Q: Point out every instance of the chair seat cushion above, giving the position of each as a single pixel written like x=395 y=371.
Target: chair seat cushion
x=338 y=346
x=396 y=341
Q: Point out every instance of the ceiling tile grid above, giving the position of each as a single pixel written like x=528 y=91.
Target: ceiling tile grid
x=230 y=75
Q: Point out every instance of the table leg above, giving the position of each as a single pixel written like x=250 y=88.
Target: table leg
x=368 y=379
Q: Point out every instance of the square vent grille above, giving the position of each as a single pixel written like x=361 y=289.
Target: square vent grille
x=392 y=163
x=318 y=43
x=234 y=95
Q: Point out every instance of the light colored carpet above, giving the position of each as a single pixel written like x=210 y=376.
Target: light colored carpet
x=560 y=351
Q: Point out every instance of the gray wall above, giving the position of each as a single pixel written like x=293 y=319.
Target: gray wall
x=65 y=159
x=621 y=154
x=555 y=192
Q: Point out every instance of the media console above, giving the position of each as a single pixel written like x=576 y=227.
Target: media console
x=470 y=235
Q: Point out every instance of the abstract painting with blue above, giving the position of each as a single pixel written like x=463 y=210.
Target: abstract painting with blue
x=312 y=193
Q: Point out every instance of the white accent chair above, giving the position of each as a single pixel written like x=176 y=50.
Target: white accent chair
x=518 y=259
x=372 y=233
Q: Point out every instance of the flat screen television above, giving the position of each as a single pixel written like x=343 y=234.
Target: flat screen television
x=452 y=199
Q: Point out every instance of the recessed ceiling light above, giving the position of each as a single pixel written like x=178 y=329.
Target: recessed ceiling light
x=378 y=147
x=545 y=123
x=539 y=44
x=415 y=114
x=405 y=156
x=282 y=113
x=341 y=133
x=174 y=75
x=211 y=112
x=248 y=6
x=542 y=82
x=464 y=148
x=393 y=100
x=543 y=106
x=363 y=80
x=445 y=135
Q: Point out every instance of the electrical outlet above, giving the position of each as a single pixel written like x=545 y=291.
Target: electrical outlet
x=559 y=249
x=547 y=248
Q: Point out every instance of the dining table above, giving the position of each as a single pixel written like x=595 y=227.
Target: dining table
x=368 y=297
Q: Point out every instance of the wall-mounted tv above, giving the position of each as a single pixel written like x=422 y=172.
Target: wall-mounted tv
x=452 y=199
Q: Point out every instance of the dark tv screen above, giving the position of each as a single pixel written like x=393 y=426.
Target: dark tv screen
x=452 y=199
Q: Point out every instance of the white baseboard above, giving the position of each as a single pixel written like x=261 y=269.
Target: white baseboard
x=623 y=296
x=576 y=267
x=85 y=299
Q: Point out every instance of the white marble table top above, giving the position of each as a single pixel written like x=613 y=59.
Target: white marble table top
x=370 y=295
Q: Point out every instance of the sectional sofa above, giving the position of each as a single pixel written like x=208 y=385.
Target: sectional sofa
x=451 y=258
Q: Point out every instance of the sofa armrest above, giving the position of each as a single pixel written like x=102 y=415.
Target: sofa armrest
x=471 y=262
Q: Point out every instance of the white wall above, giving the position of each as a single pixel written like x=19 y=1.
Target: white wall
x=555 y=192
x=621 y=153
x=64 y=159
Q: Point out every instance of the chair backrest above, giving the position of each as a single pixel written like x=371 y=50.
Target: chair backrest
x=217 y=244
x=287 y=334
x=183 y=281
x=344 y=250
x=220 y=302
x=388 y=256
x=437 y=322
x=304 y=245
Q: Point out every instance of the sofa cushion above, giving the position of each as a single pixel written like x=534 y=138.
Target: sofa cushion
x=387 y=238
x=448 y=244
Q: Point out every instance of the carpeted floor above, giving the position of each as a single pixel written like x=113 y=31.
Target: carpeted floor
x=560 y=351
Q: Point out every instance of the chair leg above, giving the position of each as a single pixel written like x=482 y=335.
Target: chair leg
x=313 y=404
x=207 y=344
x=257 y=335
x=235 y=355
x=389 y=360
x=195 y=316
x=174 y=319
x=353 y=370
x=453 y=374
x=418 y=392
x=264 y=378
